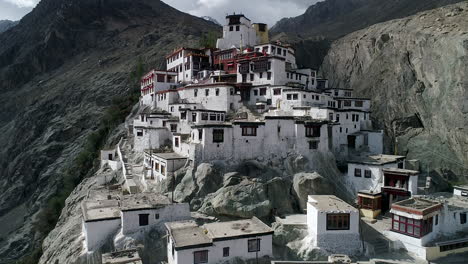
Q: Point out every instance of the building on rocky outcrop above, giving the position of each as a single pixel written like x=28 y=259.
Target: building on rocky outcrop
x=461 y=190
x=430 y=226
x=128 y=256
x=333 y=224
x=218 y=242
x=127 y=215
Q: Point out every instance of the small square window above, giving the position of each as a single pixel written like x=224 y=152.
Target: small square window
x=156 y=216
x=313 y=144
x=367 y=174
x=253 y=245
x=357 y=172
x=226 y=252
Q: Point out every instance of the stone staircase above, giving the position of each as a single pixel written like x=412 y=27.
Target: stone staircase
x=380 y=246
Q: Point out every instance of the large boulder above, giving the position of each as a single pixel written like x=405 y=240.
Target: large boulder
x=305 y=184
x=251 y=197
x=186 y=189
x=208 y=179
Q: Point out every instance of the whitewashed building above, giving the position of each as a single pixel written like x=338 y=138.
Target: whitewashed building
x=101 y=221
x=431 y=226
x=366 y=173
x=333 y=224
x=461 y=190
x=144 y=210
x=155 y=81
x=218 y=242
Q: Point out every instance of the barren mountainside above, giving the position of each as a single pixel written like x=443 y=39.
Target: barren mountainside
x=6 y=24
x=414 y=71
x=60 y=67
x=331 y=19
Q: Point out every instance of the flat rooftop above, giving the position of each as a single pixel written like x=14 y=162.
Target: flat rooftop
x=330 y=203
x=187 y=234
x=129 y=256
x=294 y=220
x=169 y=156
x=380 y=159
x=416 y=206
x=461 y=187
x=141 y=201
x=237 y=229
x=401 y=171
x=100 y=210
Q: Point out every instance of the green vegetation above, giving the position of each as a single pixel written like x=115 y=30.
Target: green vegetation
x=86 y=162
x=208 y=40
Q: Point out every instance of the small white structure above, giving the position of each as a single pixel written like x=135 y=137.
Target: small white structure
x=366 y=173
x=431 y=226
x=109 y=157
x=238 y=31
x=333 y=224
x=101 y=220
x=218 y=242
x=129 y=256
x=461 y=190
x=163 y=165
x=144 y=210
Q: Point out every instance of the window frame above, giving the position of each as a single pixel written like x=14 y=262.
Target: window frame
x=203 y=257
x=249 y=246
x=367 y=174
x=218 y=135
x=357 y=172
x=143 y=219
x=249 y=131
x=337 y=220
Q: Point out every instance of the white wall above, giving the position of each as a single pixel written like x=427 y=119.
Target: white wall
x=237 y=248
x=97 y=232
x=168 y=213
x=152 y=138
x=356 y=184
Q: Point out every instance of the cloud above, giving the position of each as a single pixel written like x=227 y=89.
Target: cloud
x=23 y=3
x=266 y=11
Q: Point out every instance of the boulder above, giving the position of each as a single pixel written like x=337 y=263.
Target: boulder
x=305 y=184
x=186 y=189
x=207 y=179
x=251 y=197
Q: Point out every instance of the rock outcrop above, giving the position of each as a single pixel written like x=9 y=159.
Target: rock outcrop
x=310 y=184
x=414 y=71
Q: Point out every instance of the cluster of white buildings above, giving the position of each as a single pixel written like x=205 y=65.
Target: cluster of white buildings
x=247 y=99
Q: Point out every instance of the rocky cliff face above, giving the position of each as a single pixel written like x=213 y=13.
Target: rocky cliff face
x=414 y=70
x=60 y=67
x=6 y=24
x=331 y=19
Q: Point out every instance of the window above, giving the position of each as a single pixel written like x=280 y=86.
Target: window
x=261 y=75
x=312 y=131
x=143 y=219
x=454 y=246
x=217 y=91
x=337 y=117
x=218 y=135
x=462 y=218
x=366 y=203
x=347 y=103
x=411 y=227
x=253 y=245
x=204 y=116
x=249 y=131
x=262 y=91
x=358 y=103
x=226 y=252
x=212 y=117
x=277 y=91
x=284 y=52
x=357 y=172
x=288 y=96
x=295 y=96
x=268 y=75
x=436 y=220
x=207 y=92
x=255 y=92
x=279 y=51
x=174 y=127
x=156 y=216
x=200 y=256
x=139 y=133
x=367 y=174
x=313 y=144
x=176 y=142
x=231 y=28
x=194 y=117
x=252 y=77
x=200 y=134
x=287 y=75
x=237 y=28
x=231 y=91
x=337 y=221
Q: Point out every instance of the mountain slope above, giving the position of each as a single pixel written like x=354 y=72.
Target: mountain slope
x=60 y=67
x=331 y=19
x=414 y=70
x=7 y=24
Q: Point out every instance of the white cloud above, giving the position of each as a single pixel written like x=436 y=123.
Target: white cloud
x=23 y=3
x=266 y=11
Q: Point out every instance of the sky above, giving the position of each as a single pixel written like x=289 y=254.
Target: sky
x=262 y=11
